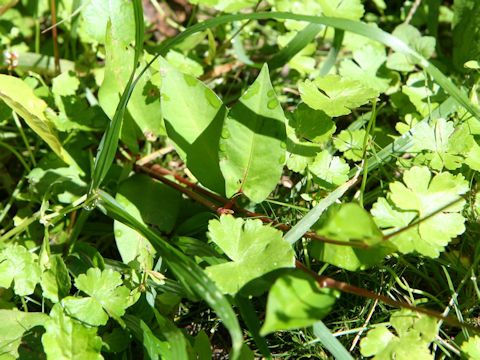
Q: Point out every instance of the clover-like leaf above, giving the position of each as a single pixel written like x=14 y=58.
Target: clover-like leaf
x=295 y=301
x=449 y=146
x=254 y=248
x=414 y=335
x=335 y=95
x=365 y=66
x=422 y=93
x=471 y=348
x=67 y=339
x=55 y=281
x=348 y=9
x=310 y=124
x=107 y=297
x=350 y=142
x=425 y=45
x=331 y=169
x=19 y=265
x=421 y=195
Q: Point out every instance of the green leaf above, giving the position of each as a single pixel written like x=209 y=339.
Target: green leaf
x=295 y=301
x=191 y=276
x=423 y=195
x=424 y=45
x=155 y=349
x=313 y=125
x=55 y=281
x=67 y=339
x=335 y=95
x=194 y=117
x=202 y=346
x=415 y=333
x=450 y=146
x=109 y=143
x=466 y=35
x=471 y=348
x=423 y=94
x=152 y=202
x=337 y=224
x=144 y=105
x=56 y=180
x=107 y=297
x=254 y=248
x=184 y=64
x=21 y=99
x=350 y=142
x=119 y=12
x=365 y=68
x=331 y=169
x=19 y=265
x=14 y=324
x=252 y=147
x=348 y=9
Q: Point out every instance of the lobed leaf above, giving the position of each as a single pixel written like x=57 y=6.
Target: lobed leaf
x=254 y=248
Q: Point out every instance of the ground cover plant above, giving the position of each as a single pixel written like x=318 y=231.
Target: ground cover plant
x=239 y=179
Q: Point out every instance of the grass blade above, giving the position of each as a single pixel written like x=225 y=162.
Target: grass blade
x=332 y=54
x=330 y=342
x=185 y=269
x=302 y=39
x=108 y=144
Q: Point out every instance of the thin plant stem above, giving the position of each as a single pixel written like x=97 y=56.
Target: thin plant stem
x=365 y=158
x=53 y=11
x=24 y=138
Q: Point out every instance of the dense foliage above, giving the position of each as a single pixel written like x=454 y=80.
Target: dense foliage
x=239 y=179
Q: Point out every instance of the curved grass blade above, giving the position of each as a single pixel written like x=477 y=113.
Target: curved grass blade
x=185 y=269
x=356 y=27
x=108 y=144
x=302 y=39
x=333 y=53
x=330 y=342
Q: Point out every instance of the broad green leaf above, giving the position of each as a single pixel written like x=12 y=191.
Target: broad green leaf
x=337 y=224
x=296 y=301
x=350 y=142
x=226 y=5
x=55 y=281
x=313 y=125
x=21 y=99
x=331 y=169
x=471 y=348
x=107 y=297
x=415 y=333
x=202 y=346
x=67 y=339
x=152 y=202
x=450 y=147
x=297 y=7
x=252 y=146
x=423 y=195
x=364 y=67
x=254 y=249
x=424 y=45
x=184 y=64
x=144 y=105
x=348 y=9
x=14 y=325
x=119 y=12
x=335 y=95
x=179 y=346
x=194 y=117
x=466 y=33
x=19 y=265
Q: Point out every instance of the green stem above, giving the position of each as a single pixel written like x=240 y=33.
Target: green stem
x=365 y=158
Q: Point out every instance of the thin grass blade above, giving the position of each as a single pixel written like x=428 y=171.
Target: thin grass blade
x=330 y=342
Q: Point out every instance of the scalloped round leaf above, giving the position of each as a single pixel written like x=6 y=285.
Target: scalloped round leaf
x=335 y=95
x=255 y=249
